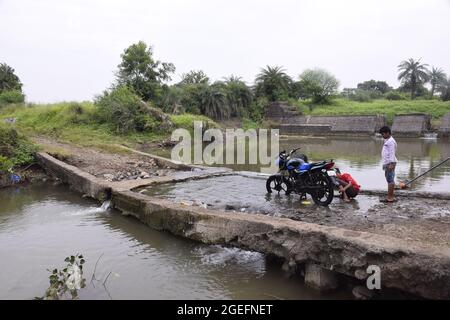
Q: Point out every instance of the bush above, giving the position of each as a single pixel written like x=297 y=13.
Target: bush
x=13 y=96
x=122 y=109
x=361 y=96
x=394 y=95
x=15 y=149
x=186 y=121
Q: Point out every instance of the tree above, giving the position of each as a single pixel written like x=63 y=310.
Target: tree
x=213 y=102
x=273 y=83
x=413 y=74
x=9 y=81
x=319 y=84
x=376 y=86
x=140 y=71
x=444 y=89
x=194 y=77
x=239 y=95
x=437 y=77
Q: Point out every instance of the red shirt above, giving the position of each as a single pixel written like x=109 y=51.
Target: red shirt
x=349 y=179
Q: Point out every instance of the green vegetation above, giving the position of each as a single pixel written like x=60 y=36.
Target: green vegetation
x=10 y=86
x=342 y=106
x=141 y=72
x=413 y=74
x=13 y=96
x=319 y=85
x=15 y=149
x=186 y=121
x=84 y=124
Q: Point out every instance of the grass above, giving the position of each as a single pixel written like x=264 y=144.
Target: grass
x=77 y=123
x=341 y=106
x=186 y=121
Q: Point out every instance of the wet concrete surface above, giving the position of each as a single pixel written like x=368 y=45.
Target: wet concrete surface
x=415 y=219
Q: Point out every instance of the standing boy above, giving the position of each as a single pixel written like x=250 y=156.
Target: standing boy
x=389 y=161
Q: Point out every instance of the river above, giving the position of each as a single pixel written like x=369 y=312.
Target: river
x=42 y=224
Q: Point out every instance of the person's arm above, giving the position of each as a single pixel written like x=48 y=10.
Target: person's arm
x=343 y=185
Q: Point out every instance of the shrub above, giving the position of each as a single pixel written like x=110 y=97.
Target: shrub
x=13 y=96
x=15 y=149
x=122 y=109
x=186 y=121
x=394 y=95
x=361 y=96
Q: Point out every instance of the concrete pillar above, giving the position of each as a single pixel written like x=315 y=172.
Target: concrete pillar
x=320 y=278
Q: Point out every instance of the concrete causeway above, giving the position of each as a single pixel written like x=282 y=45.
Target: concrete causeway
x=326 y=253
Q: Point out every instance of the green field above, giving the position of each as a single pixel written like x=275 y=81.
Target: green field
x=435 y=108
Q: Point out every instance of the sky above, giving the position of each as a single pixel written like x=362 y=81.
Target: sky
x=69 y=50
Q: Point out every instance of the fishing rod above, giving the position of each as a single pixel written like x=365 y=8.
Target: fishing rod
x=405 y=185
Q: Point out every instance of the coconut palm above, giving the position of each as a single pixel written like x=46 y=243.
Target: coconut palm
x=437 y=77
x=273 y=83
x=413 y=74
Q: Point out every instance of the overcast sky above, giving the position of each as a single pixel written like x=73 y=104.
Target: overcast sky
x=69 y=50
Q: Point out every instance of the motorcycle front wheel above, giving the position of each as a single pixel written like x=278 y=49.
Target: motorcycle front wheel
x=277 y=183
x=325 y=194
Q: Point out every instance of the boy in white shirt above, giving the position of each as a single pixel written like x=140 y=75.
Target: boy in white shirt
x=389 y=161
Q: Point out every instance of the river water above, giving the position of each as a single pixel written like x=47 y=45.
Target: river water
x=361 y=157
x=42 y=224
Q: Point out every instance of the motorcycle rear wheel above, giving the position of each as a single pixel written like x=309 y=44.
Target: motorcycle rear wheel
x=323 y=196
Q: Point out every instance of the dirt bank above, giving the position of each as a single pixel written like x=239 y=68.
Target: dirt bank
x=104 y=165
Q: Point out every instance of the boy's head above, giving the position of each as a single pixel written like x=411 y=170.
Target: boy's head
x=385 y=132
x=338 y=172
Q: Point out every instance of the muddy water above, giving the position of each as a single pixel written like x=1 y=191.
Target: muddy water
x=41 y=225
x=361 y=157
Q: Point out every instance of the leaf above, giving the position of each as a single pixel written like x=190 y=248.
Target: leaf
x=82 y=261
x=67 y=259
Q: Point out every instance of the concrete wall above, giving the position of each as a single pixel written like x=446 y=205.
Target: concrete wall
x=444 y=129
x=281 y=112
x=305 y=129
x=338 y=125
x=411 y=125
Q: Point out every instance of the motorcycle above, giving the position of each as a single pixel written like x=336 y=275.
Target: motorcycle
x=296 y=175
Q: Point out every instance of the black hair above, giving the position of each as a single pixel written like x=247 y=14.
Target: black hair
x=337 y=170
x=385 y=129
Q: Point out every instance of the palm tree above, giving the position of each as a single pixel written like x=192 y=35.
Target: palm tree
x=213 y=102
x=437 y=77
x=239 y=95
x=413 y=73
x=273 y=82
